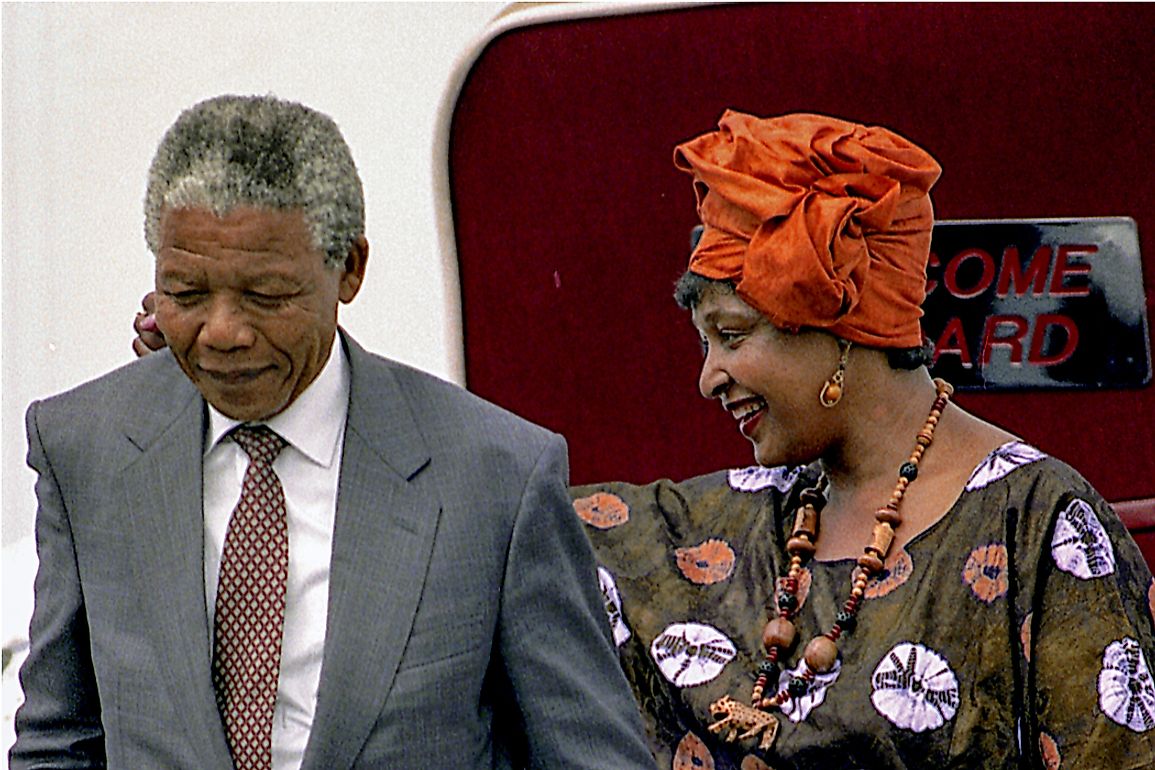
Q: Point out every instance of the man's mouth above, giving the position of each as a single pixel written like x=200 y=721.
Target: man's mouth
x=232 y=377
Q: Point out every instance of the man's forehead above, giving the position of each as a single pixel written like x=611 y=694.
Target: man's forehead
x=244 y=227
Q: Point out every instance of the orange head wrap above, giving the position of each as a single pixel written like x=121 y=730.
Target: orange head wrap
x=818 y=222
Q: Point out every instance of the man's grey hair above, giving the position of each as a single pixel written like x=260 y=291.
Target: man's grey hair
x=264 y=152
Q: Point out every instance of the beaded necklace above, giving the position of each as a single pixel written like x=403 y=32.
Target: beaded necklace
x=736 y=719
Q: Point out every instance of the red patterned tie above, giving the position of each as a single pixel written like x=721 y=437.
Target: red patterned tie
x=250 y=607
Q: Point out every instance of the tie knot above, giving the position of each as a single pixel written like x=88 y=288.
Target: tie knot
x=260 y=442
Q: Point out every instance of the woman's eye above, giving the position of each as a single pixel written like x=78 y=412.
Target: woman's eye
x=730 y=337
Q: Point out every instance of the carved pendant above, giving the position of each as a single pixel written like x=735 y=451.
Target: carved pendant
x=740 y=722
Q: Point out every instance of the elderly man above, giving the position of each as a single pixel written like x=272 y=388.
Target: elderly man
x=269 y=548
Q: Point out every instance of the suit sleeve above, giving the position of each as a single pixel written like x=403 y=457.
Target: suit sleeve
x=555 y=640
x=58 y=725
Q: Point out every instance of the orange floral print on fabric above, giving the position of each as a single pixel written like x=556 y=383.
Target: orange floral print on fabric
x=894 y=573
x=986 y=571
x=752 y=762
x=1050 y=752
x=1151 y=598
x=602 y=510
x=1025 y=635
x=803 y=591
x=709 y=562
x=692 y=754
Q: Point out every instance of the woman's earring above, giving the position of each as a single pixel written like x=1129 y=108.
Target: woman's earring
x=831 y=392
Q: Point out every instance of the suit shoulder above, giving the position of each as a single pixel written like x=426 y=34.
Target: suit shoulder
x=153 y=385
x=120 y=387
x=443 y=405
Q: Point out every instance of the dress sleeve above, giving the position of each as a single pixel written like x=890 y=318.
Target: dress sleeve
x=1088 y=640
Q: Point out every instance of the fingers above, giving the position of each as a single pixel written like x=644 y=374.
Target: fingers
x=148 y=334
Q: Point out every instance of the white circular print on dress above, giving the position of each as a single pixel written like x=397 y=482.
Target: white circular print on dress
x=914 y=687
x=1008 y=457
x=613 y=605
x=756 y=478
x=1080 y=545
x=797 y=709
x=688 y=654
x=1126 y=692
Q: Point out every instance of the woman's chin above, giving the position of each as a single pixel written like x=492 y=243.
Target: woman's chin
x=766 y=457
x=777 y=455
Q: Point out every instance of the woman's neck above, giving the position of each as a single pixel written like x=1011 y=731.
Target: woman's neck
x=884 y=412
x=880 y=427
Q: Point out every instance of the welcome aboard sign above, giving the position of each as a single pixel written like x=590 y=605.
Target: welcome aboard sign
x=1043 y=303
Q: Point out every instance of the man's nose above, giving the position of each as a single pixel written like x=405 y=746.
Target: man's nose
x=226 y=326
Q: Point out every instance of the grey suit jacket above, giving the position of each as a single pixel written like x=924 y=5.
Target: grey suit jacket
x=465 y=626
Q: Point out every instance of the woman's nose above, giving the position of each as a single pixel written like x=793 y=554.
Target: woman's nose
x=712 y=379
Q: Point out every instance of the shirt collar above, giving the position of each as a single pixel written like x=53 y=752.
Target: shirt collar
x=314 y=422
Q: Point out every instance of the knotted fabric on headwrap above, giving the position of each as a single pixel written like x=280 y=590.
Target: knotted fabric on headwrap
x=820 y=223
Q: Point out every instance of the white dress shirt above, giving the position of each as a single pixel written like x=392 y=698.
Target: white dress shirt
x=308 y=467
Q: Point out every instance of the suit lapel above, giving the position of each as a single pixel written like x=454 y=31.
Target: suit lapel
x=382 y=542
x=162 y=494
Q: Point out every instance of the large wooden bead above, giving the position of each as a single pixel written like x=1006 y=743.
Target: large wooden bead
x=800 y=545
x=806 y=522
x=881 y=538
x=779 y=632
x=871 y=563
x=889 y=516
x=821 y=654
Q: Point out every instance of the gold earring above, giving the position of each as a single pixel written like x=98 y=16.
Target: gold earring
x=831 y=392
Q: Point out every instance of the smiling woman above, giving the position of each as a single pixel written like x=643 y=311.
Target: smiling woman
x=780 y=371
x=903 y=584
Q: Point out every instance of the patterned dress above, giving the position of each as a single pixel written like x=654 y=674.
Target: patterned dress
x=1017 y=631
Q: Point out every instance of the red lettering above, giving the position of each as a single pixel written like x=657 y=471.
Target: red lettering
x=1011 y=273
x=1014 y=340
x=950 y=278
x=1042 y=324
x=1063 y=270
x=952 y=341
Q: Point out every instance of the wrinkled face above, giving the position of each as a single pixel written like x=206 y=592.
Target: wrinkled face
x=248 y=305
x=766 y=378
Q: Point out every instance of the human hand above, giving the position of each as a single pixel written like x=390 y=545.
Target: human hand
x=148 y=334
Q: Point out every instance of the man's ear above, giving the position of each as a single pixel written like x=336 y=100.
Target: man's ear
x=353 y=271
